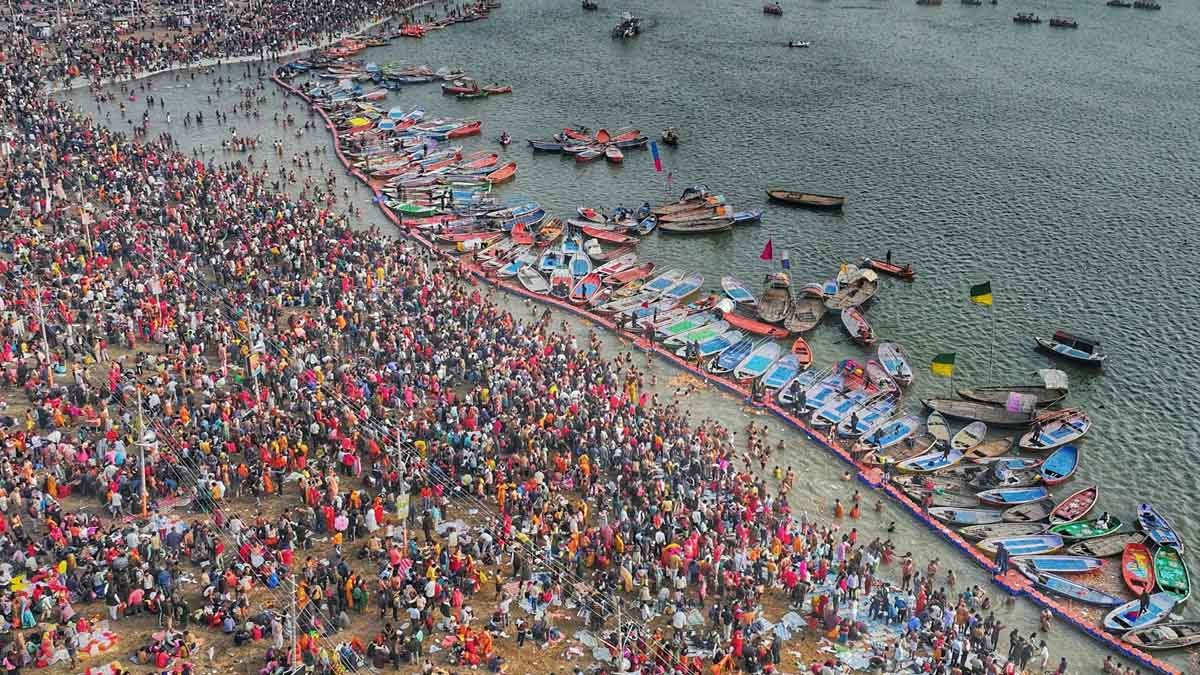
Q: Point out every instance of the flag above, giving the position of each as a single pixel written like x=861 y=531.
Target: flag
x=981 y=294
x=943 y=365
x=654 y=154
x=768 y=253
x=787 y=261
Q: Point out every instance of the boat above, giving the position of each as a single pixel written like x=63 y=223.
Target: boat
x=532 y=280
x=1029 y=513
x=1105 y=547
x=729 y=359
x=1053 y=390
x=808 y=308
x=758 y=361
x=982 y=453
x=1137 y=568
x=698 y=334
x=799 y=44
x=614 y=155
x=585 y=288
x=1063 y=22
x=808 y=199
x=498 y=89
x=670 y=136
x=895 y=361
x=544 y=146
x=1026 y=17
x=935 y=426
x=630 y=26
x=590 y=5
x=1001 y=529
x=588 y=154
x=1070 y=589
x=1087 y=529
x=972 y=517
x=1158 y=528
x=1061 y=564
x=1055 y=430
x=932 y=461
x=802 y=352
x=678 y=322
x=1119 y=3
x=993 y=415
x=1076 y=506
x=561 y=282
x=872 y=416
x=697 y=226
x=773 y=8
x=712 y=346
x=1016 y=546
x=1127 y=617
x=781 y=372
x=1060 y=465
x=608 y=235
x=802 y=381
x=1012 y=496
x=776 y=299
x=904 y=272
x=1072 y=347
x=684 y=287
x=1171 y=574
x=629 y=274
x=855 y=287
x=747 y=324
x=662 y=282
x=969 y=436
x=503 y=174
x=893 y=432
x=1171 y=635
x=1146 y=4
x=858 y=328
x=748 y=216
x=580 y=264
x=615 y=265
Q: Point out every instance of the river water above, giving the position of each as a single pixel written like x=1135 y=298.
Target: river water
x=1058 y=164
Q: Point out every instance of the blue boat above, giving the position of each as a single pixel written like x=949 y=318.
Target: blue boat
x=797 y=384
x=731 y=357
x=1032 y=545
x=684 y=287
x=932 y=461
x=781 y=372
x=1013 y=496
x=580 y=264
x=830 y=288
x=545 y=146
x=1126 y=617
x=893 y=432
x=737 y=291
x=1062 y=564
x=715 y=344
x=1069 y=589
x=1060 y=465
x=964 y=516
x=647 y=225
x=663 y=281
x=873 y=416
x=751 y=216
x=1158 y=528
x=551 y=260
x=758 y=361
x=570 y=246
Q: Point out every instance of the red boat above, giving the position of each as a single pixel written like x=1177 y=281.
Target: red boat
x=1075 y=507
x=603 y=136
x=577 y=135
x=591 y=214
x=1137 y=568
x=521 y=234
x=609 y=236
x=465 y=130
x=632 y=274
x=754 y=325
x=906 y=272
x=624 y=136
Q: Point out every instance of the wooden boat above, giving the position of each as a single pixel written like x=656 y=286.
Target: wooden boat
x=503 y=174
x=969 y=436
x=776 y=301
x=1029 y=513
x=999 y=395
x=855 y=288
x=1016 y=546
x=1001 y=529
x=758 y=361
x=614 y=155
x=1137 y=568
x=1076 y=506
x=1070 y=589
x=497 y=89
x=737 y=291
x=1105 y=547
x=988 y=449
x=1060 y=465
x=1079 y=349
x=781 y=372
x=973 y=517
x=858 y=328
x=802 y=352
x=993 y=415
x=698 y=226
x=1087 y=529
x=1171 y=635
x=808 y=200
x=747 y=324
x=585 y=288
x=808 y=308
x=932 y=461
x=532 y=280
x=882 y=266
x=1171 y=574
x=936 y=426
x=1061 y=564
x=1064 y=427
x=895 y=361
x=692 y=197
x=729 y=359
x=1126 y=617
x=1013 y=496
x=1158 y=528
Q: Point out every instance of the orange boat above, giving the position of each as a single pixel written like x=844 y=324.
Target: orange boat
x=504 y=173
x=803 y=352
x=632 y=274
x=521 y=234
x=1137 y=568
x=750 y=325
x=608 y=235
x=465 y=130
x=603 y=136
x=882 y=266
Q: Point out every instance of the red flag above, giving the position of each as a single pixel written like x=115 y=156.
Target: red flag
x=767 y=253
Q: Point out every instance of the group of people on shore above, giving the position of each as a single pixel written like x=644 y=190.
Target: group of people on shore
x=230 y=410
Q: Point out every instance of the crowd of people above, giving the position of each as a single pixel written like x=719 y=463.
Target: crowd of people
x=231 y=410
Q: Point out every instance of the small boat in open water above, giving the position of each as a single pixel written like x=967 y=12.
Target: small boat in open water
x=1073 y=347
x=808 y=200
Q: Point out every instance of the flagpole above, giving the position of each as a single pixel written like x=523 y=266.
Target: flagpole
x=992 y=352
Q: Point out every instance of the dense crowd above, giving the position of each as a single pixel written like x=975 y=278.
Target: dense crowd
x=330 y=424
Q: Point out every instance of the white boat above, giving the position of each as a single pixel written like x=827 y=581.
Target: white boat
x=799 y=44
x=969 y=436
x=757 y=361
x=709 y=329
x=895 y=361
x=1062 y=429
x=781 y=372
x=593 y=249
x=937 y=427
x=737 y=291
x=511 y=269
x=800 y=382
x=892 y=432
x=533 y=280
x=869 y=419
x=618 y=264
x=932 y=461
x=662 y=282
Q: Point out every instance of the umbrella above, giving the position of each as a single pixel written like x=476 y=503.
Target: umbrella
x=359 y=121
x=341 y=523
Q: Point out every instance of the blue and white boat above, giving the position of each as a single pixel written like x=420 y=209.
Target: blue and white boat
x=737 y=291
x=1158 y=528
x=892 y=432
x=1033 y=545
x=662 y=282
x=1062 y=564
x=552 y=259
x=714 y=345
x=515 y=265
x=1126 y=617
x=1064 y=429
x=816 y=395
x=686 y=324
x=748 y=216
x=1073 y=347
x=685 y=286
x=799 y=383
x=1060 y=465
x=731 y=357
x=781 y=372
x=1013 y=496
x=646 y=225
x=931 y=461
x=895 y=362
x=966 y=516
x=757 y=361
x=580 y=265
x=874 y=415
x=698 y=334
x=1067 y=588
x=571 y=246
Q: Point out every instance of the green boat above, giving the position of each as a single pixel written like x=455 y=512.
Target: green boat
x=410 y=209
x=1171 y=574
x=1087 y=529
